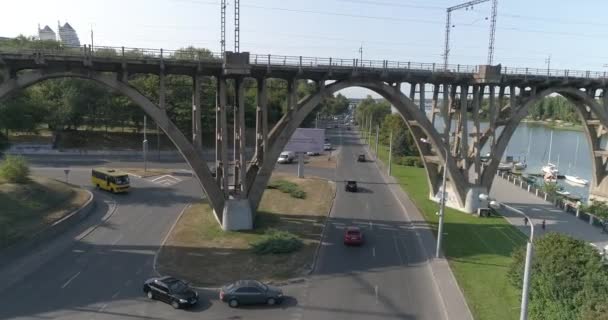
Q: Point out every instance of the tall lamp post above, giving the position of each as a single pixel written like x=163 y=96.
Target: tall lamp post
x=441 y=200
x=529 y=250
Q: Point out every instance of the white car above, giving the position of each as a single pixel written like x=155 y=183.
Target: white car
x=327 y=146
x=286 y=157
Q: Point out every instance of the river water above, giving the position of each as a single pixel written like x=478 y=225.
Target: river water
x=535 y=138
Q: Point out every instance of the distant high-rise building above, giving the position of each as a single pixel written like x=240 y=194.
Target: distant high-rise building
x=67 y=35
x=46 y=33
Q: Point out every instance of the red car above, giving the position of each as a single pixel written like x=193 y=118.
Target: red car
x=353 y=236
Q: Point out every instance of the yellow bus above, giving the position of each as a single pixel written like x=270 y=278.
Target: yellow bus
x=110 y=180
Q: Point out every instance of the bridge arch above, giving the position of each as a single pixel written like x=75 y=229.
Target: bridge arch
x=192 y=157
x=416 y=122
x=580 y=99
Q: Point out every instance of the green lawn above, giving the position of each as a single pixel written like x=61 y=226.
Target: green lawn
x=478 y=249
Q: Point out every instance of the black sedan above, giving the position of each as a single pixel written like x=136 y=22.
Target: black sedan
x=173 y=291
x=351 y=186
x=250 y=292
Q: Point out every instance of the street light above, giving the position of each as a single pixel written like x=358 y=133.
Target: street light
x=441 y=200
x=526 y=285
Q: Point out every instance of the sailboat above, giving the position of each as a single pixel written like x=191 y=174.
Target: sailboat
x=521 y=165
x=576 y=179
x=550 y=168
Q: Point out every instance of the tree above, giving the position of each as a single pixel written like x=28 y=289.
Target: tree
x=569 y=280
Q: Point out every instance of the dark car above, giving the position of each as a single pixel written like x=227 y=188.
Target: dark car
x=348 y=128
x=353 y=236
x=351 y=186
x=173 y=291
x=250 y=292
x=361 y=158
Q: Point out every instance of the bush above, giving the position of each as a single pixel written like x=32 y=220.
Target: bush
x=409 y=161
x=15 y=169
x=277 y=242
x=288 y=187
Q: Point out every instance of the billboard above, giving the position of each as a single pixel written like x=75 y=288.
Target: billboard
x=306 y=140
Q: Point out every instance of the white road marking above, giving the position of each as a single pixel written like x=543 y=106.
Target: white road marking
x=115 y=295
x=373 y=251
x=376 y=291
x=102 y=308
x=78 y=251
x=70 y=280
x=117 y=239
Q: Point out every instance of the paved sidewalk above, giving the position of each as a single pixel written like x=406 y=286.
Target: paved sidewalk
x=538 y=210
x=455 y=304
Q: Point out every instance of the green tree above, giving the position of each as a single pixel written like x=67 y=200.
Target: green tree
x=569 y=280
x=15 y=169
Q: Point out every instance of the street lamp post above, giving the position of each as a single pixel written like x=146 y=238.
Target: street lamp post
x=145 y=144
x=390 y=152
x=441 y=200
x=529 y=250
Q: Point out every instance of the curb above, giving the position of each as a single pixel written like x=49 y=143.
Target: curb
x=162 y=244
x=323 y=233
x=21 y=249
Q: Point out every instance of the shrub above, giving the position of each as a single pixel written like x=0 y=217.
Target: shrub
x=288 y=187
x=277 y=242
x=15 y=169
x=410 y=161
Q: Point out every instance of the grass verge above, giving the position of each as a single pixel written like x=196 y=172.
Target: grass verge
x=478 y=249
x=29 y=208
x=199 y=251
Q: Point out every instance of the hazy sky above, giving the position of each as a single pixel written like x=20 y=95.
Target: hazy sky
x=572 y=32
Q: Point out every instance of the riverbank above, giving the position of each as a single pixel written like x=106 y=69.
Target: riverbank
x=554 y=124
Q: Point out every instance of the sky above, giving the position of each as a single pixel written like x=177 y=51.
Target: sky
x=528 y=32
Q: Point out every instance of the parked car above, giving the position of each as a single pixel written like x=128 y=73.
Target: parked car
x=327 y=146
x=361 y=158
x=286 y=157
x=351 y=186
x=250 y=292
x=173 y=291
x=353 y=236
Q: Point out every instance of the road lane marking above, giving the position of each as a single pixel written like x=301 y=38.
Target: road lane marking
x=373 y=251
x=115 y=295
x=376 y=291
x=102 y=308
x=70 y=280
x=117 y=239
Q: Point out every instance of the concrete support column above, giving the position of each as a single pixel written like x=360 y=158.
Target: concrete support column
x=477 y=96
x=434 y=104
x=422 y=98
x=501 y=99
x=447 y=121
x=242 y=160
x=261 y=121
x=222 y=136
x=493 y=116
x=512 y=99
x=413 y=91
x=197 y=140
x=464 y=130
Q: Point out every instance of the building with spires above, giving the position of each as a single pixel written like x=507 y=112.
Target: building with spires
x=46 y=33
x=67 y=35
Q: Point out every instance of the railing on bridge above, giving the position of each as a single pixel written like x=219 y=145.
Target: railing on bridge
x=297 y=62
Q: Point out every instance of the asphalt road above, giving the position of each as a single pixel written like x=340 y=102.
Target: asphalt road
x=96 y=273
x=386 y=278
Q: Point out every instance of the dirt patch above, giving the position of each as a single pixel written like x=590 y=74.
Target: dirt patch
x=29 y=208
x=322 y=161
x=199 y=251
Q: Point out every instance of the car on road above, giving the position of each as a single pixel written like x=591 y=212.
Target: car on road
x=286 y=157
x=351 y=186
x=361 y=158
x=348 y=128
x=327 y=146
x=313 y=153
x=244 y=292
x=171 y=290
x=353 y=236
